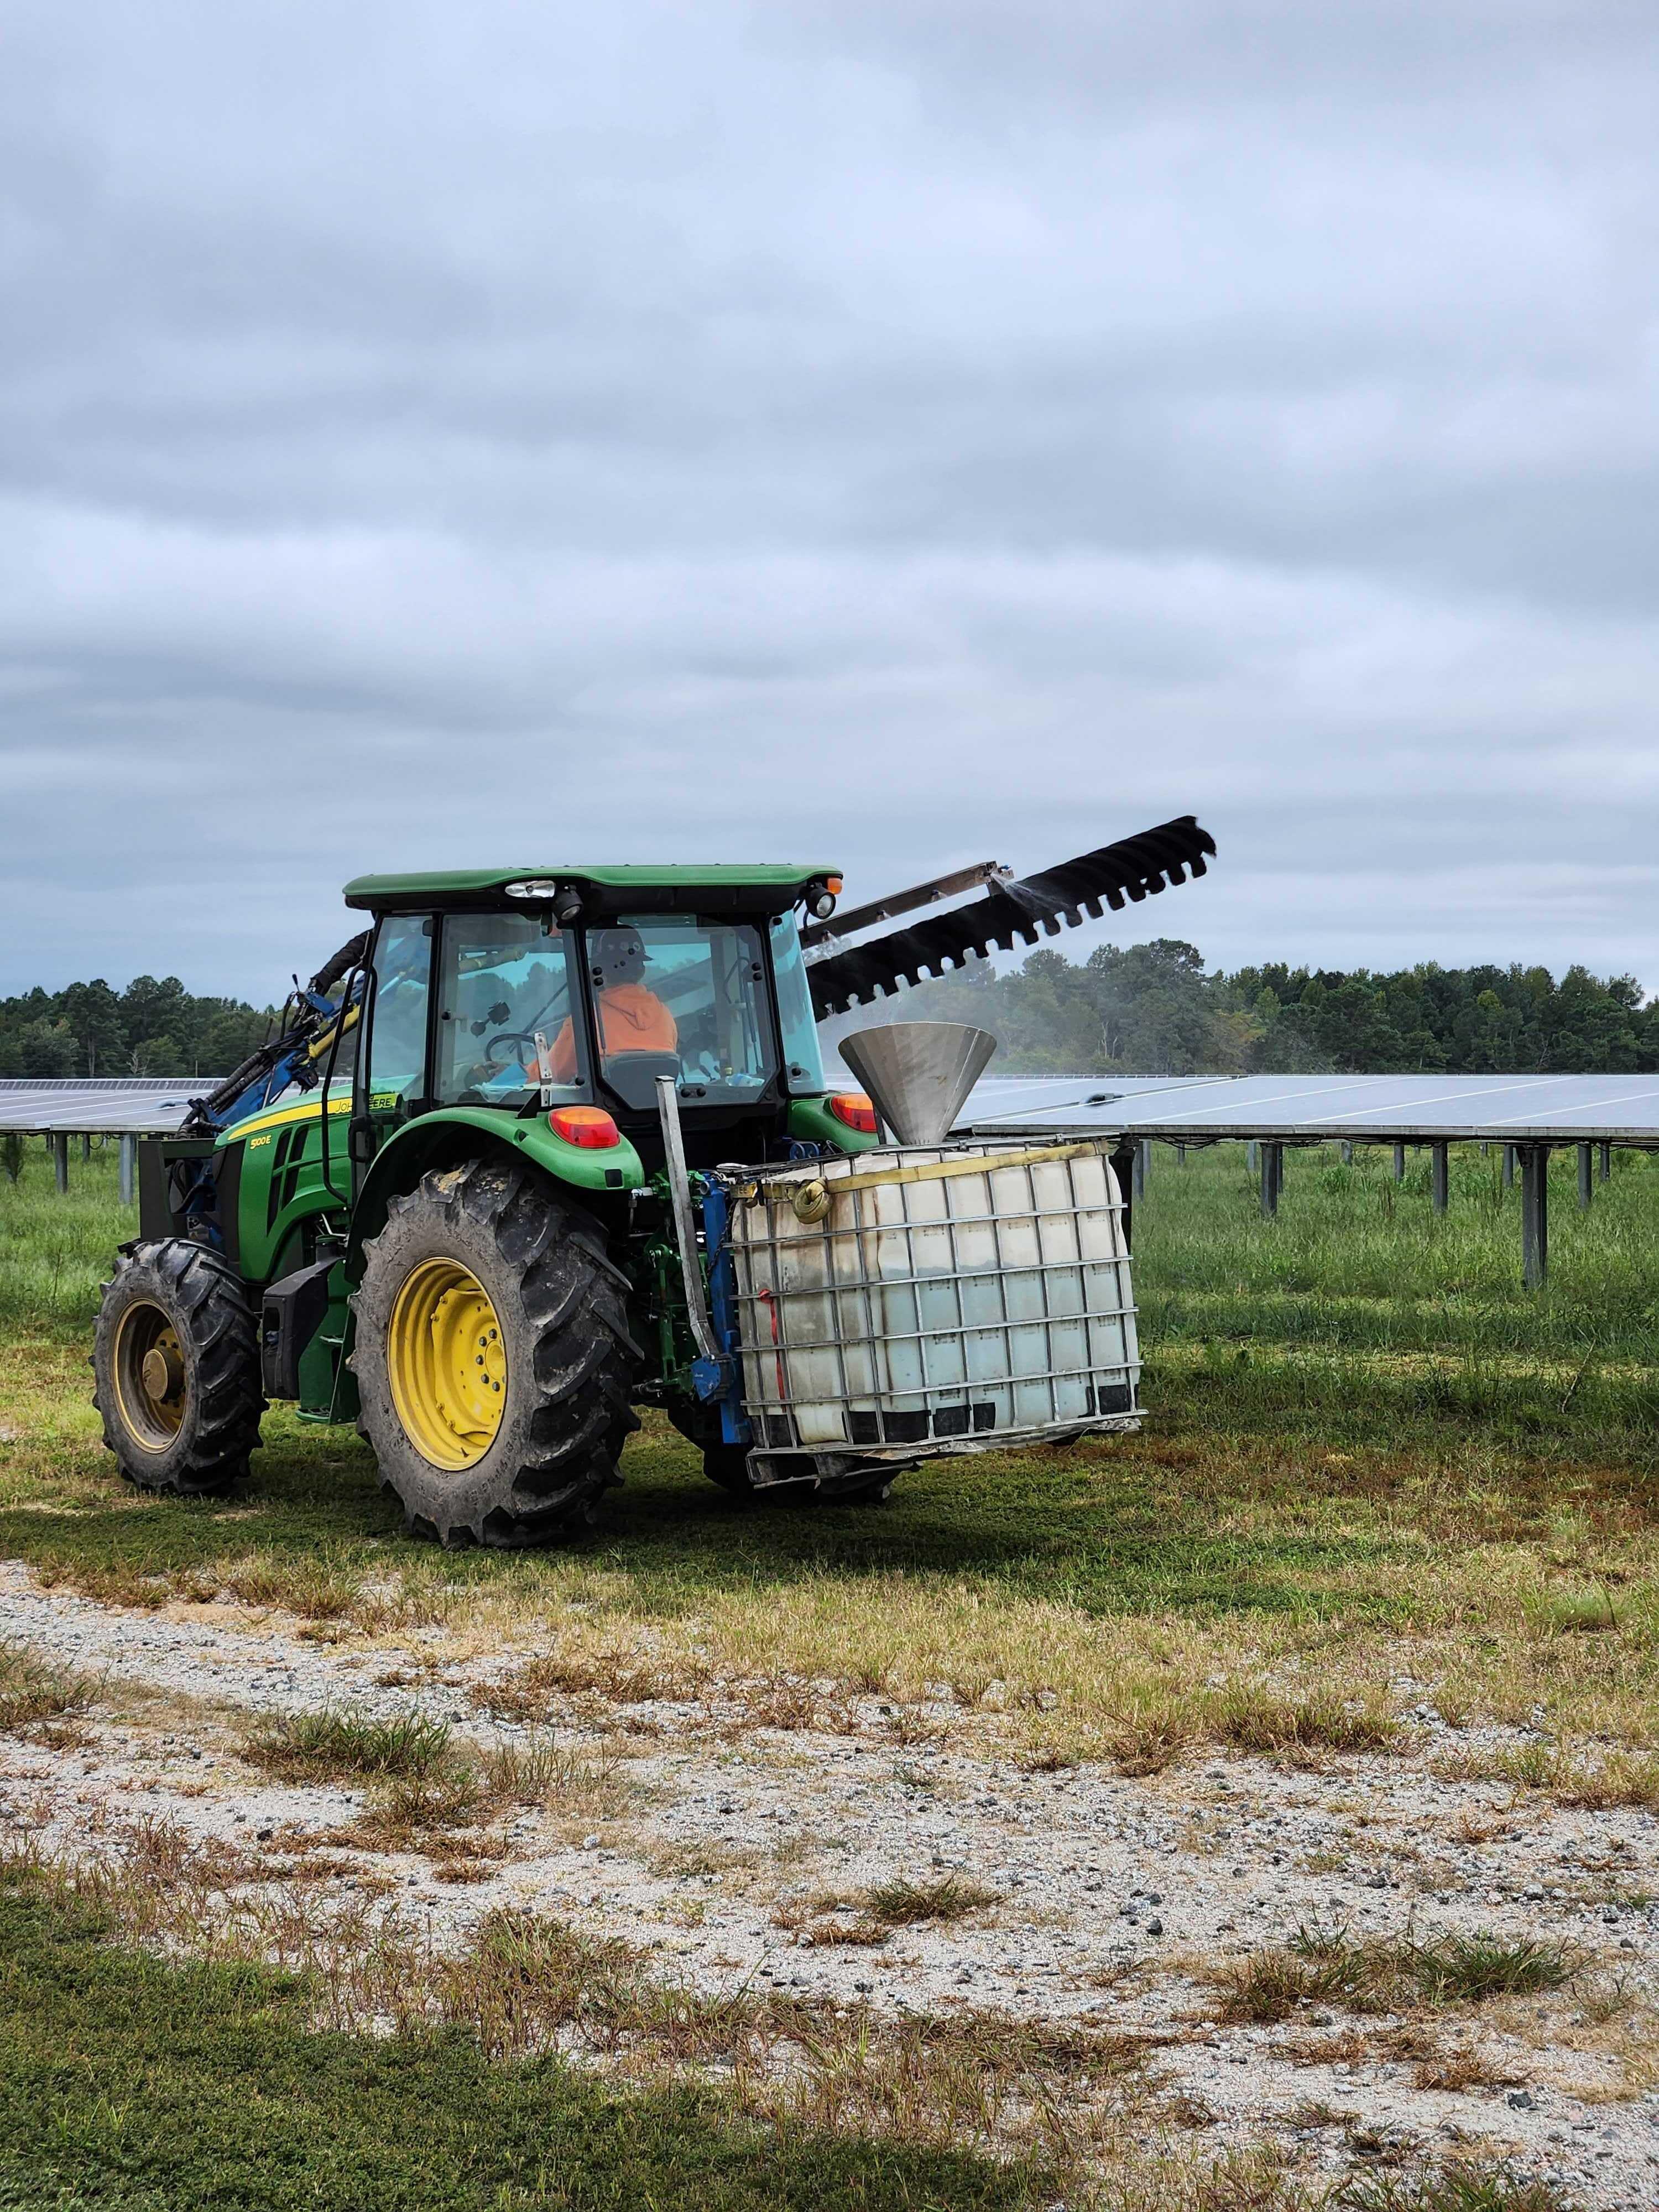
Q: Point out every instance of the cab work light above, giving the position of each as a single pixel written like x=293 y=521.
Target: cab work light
x=855 y=1109
x=590 y=1126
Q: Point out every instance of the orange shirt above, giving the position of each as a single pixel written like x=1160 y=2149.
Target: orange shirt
x=631 y=1019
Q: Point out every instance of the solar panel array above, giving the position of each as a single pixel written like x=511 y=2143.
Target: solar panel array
x=1516 y=1110
x=1621 y=1109
x=121 y=1105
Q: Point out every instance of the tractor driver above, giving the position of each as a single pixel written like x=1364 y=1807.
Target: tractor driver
x=631 y=1017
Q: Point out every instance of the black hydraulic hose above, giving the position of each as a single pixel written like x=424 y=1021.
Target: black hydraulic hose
x=346 y=962
x=354 y=975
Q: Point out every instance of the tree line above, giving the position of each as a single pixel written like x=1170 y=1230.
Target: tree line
x=1156 y=1010
x=1139 y=1009
x=152 y=1028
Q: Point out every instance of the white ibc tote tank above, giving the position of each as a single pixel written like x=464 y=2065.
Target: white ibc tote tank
x=957 y=1297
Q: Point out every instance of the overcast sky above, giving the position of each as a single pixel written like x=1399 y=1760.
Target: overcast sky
x=895 y=433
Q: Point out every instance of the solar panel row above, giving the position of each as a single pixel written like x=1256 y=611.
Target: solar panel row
x=1529 y=1112
x=1621 y=1109
x=1516 y=1110
x=130 y=1105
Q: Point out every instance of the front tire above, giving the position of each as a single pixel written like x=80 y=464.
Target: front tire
x=493 y=1357
x=176 y=1359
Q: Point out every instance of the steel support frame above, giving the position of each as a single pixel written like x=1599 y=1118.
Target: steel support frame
x=1438 y=1160
x=1124 y=1154
x=1272 y=1178
x=1535 y=1215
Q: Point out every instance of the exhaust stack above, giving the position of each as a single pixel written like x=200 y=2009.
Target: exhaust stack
x=919 y=1074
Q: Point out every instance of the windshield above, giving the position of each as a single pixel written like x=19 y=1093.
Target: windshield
x=676 y=988
x=504 y=1010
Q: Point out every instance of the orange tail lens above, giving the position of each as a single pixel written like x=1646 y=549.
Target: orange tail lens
x=855 y=1109
x=590 y=1126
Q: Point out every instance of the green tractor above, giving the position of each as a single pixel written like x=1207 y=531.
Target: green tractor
x=516 y=1164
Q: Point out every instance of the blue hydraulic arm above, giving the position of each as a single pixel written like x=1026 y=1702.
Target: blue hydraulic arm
x=312 y=1027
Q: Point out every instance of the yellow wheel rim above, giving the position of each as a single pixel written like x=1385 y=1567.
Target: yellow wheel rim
x=148 y=1372
x=446 y=1364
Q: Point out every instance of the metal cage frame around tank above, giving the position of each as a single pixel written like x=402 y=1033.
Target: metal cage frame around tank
x=772 y=1411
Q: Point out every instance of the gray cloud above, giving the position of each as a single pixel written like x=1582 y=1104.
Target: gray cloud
x=901 y=434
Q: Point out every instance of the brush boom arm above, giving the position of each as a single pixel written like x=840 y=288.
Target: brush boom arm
x=310 y=1021
x=1012 y=911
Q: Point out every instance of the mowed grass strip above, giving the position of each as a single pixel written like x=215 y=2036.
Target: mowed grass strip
x=160 y=2086
x=525 y=1985
x=202 y=2088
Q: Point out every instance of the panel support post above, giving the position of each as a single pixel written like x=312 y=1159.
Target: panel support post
x=86 y=1147
x=1252 y=1153
x=1347 y=1153
x=1143 y=1165
x=60 y=1161
x=1273 y=1179
x=1180 y=1155
x=1534 y=1214
x=129 y=1161
x=1508 y=1167
x=1586 y=1179
x=1437 y=1160
x=1123 y=1173
x=1400 y=1164
x=1606 y=1151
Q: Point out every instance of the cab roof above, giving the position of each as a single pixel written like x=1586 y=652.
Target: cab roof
x=736 y=886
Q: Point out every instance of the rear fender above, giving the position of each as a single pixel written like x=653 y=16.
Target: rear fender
x=457 y=1133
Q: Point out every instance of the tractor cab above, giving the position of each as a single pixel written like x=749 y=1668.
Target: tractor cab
x=570 y=996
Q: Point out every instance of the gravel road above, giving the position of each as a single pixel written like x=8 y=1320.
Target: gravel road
x=1113 y=1898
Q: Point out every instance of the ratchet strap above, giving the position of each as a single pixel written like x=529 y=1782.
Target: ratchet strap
x=812 y=1199
x=968 y=1163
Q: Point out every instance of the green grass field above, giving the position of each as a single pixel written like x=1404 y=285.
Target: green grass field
x=1369 y=1455
x=1359 y=1429
x=127 y=2084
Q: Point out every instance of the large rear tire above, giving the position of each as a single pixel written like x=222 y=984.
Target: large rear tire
x=493 y=1357
x=176 y=1361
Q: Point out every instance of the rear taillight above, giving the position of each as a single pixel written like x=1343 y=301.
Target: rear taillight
x=855 y=1109
x=590 y=1126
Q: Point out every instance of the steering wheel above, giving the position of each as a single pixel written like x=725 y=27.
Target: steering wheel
x=494 y=1058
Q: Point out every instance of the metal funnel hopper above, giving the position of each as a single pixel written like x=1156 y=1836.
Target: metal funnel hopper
x=919 y=1074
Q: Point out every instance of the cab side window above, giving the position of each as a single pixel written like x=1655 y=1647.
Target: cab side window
x=402 y=978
